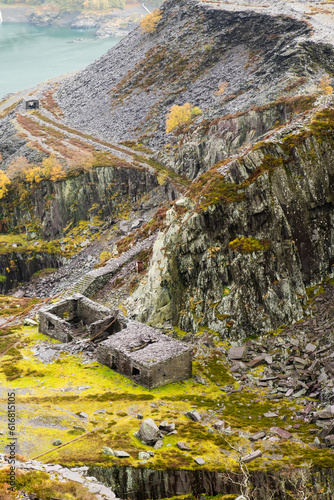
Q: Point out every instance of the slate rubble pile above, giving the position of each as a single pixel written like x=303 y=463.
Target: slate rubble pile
x=59 y=473
x=297 y=363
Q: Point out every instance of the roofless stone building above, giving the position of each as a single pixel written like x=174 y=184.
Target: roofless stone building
x=133 y=349
x=79 y=317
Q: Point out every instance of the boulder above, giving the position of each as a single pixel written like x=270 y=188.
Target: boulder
x=108 y=451
x=219 y=425
x=166 y=427
x=148 y=432
x=29 y=322
x=326 y=413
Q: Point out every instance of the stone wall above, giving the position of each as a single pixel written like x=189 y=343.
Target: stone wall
x=55 y=320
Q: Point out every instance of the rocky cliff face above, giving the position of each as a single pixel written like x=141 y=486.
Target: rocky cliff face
x=238 y=254
x=104 y=192
x=139 y=484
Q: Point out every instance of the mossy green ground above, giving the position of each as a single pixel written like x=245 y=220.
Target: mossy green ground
x=50 y=397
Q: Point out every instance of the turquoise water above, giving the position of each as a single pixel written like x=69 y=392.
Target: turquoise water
x=30 y=55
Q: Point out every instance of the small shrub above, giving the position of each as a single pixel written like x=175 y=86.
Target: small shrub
x=249 y=245
x=221 y=89
x=207 y=47
x=2 y=278
x=325 y=86
x=179 y=116
x=4 y=183
x=149 y=23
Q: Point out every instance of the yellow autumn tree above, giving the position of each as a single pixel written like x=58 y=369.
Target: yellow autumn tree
x=181 y=115
x=4 y=183
x=325 y=86
x=34 y=174
x=52 y=169
x=149 y=23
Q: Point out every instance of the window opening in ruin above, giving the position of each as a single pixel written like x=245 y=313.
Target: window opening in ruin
x=135 y=371
x=113 y=362
x=32 y=105
x=51 y=326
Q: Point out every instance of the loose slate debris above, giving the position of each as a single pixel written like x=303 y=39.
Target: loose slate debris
x=237 y=352
x=121 y=454
x=297 y=363
x=281 y=432
x=183 y=446
x=251 y=456
x=257 y=436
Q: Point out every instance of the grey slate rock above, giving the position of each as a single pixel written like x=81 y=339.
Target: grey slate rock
x=108 y=451
x=183 y=446
x=257 y=436
x=237 y=352
x=199 y=460
x=251 y=456
x=121 y=454
x=193 y=415
x=148 y=432
x=219 y=425
x=158 y=444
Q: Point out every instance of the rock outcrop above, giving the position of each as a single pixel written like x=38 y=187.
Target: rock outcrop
x=259 y=232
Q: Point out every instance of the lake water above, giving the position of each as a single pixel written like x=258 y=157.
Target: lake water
x=30 y=55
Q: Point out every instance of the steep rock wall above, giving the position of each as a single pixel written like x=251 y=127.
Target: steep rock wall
x=19 y=267
x=200 y=146
x=260 y=231
x=103 y=191
x=143 y=484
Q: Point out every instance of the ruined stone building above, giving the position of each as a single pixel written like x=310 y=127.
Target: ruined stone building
x=133 y=349
x=31 y=102
x=79 y=317
x=146 y=356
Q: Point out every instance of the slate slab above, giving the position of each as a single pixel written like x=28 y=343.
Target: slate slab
x=237 y=352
